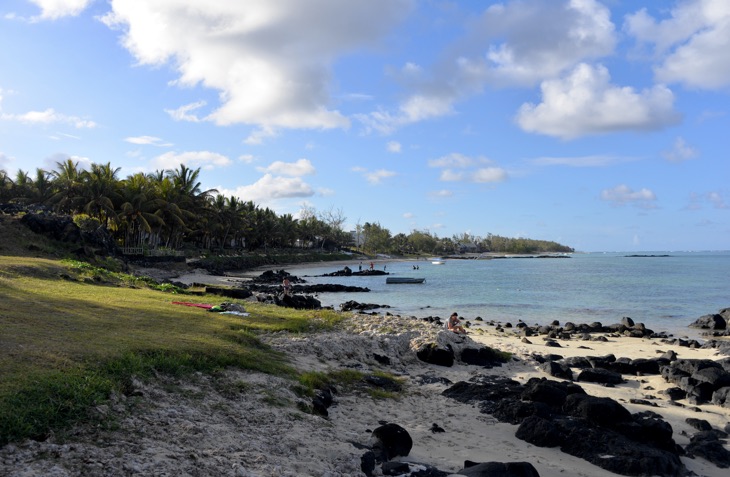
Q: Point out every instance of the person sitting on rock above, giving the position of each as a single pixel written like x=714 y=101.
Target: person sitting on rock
x=453 y=324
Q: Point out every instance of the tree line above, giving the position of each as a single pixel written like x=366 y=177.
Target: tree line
x=169 y=209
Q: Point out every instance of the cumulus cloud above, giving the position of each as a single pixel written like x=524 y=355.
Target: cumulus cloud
x=301 y=167
x=585 y=102
x=691 y=43
x=270 y=188
x=54 y=9
x=680 y=152
x=374 y=177
x=147 y=141
x=624 y=195
x=457 y=167
x=193 y=159
x=270 y=61
x=533 y=40
x=514 y=43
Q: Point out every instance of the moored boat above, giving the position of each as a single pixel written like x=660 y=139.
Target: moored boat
x=404 y=280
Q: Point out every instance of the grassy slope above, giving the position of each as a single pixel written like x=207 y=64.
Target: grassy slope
x=69 y=335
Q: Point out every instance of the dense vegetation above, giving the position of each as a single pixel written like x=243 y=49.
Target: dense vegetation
x=72 y=335
x=168 y=209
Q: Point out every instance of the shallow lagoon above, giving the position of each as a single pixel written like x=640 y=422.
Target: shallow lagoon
x=666 y=293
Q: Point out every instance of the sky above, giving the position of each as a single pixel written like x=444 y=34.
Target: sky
x=603 y=125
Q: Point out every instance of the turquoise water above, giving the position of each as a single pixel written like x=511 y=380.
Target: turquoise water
x=664 y=293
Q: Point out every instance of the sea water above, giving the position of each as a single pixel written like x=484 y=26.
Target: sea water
x=664 y=290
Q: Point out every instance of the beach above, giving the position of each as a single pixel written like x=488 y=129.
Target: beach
x=252 y=425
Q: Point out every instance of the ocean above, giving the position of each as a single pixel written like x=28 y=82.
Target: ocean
x=664 y=290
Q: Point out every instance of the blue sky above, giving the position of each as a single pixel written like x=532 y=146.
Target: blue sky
x=602 y=125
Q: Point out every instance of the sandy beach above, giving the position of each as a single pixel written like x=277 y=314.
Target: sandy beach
x=251 y=425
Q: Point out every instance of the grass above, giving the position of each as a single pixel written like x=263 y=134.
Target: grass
x=349 y=380
x=70 y=334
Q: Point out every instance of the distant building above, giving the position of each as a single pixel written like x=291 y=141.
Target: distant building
x=467 y=247
x=358 y=238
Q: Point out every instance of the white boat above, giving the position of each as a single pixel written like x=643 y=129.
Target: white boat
x=438 y=262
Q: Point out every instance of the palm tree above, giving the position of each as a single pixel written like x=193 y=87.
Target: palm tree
x=42 y=186
x=101 y=192
x=171 y=210
x=137 y=212
x=6 y=186
x=22 y=187
x=67 y=187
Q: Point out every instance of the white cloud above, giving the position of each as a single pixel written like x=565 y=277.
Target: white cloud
x=452 y=160
x=717 y=200
x=692 y=43
x=440 y=194
x=299 y=168
x=54 y=9
x=680 y=151
x=586 y=102
x=49 y=116
x=247 y=158
x=374 y=177
x=489 y=174
x=623 y=195
x=183 y=113
x=271 y=188
x=258 y=136
x=193 y=159
x=393 y=146
x=270 y=61
x=417 y=108
x=539 y=39
x=449 y=175
x=514 y=43
x=467 y=169
x=408 y=215
x=147 y=141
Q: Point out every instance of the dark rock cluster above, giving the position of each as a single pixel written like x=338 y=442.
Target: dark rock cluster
x=561 y=414
x=390 y=441
x=715 y=324
x=63 y=229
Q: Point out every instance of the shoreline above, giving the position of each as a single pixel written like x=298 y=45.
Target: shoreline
x=238 y=278
x=210 y=425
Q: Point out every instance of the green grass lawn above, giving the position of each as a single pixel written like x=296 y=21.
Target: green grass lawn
x=70 y=335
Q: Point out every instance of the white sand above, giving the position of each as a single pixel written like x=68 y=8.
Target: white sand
x=248 y=424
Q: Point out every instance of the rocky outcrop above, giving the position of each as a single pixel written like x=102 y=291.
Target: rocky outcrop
x=352 y=305
x=714 y=321
x=561 y=414
x=499 y=469
x=703 y=380
x=432 y=353
x=62 y=228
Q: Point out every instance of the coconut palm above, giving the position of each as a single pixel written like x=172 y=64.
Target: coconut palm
x=67 y=185
x=101 y=193
x=137 y=212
